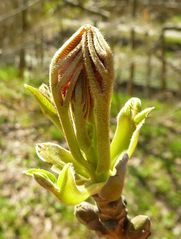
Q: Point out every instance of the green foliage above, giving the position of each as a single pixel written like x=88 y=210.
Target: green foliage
x=155 y=177
x=129 y=122
x=64 y=187
x=7 y=73
x=175 y=147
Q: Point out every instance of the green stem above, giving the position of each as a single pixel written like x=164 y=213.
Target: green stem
x=68 y=129
x=102 y=133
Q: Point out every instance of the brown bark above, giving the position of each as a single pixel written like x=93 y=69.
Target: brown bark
x=22 y=54
x=148 y=64
x=110 y=220
x=108 y=217
x=132 y=46
x=163 y=59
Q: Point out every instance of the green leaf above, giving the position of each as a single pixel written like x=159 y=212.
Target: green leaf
x=44 y=173
x=56 y=168
x=69 y=192
x=121 y=140
x=129 y=122
x=134 y=139
x=58 y=156
x=46 y=105
x=45 y=90
x=53 y=154
x=125 y=128
x=139 y=120
x=143 y=114
x=44 y=178
x=65 y=188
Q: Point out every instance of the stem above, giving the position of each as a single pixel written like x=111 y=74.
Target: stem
x=67 y=125
x=109 y=219
x=102 y=135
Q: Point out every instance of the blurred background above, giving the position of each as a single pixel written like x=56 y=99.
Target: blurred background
x=145 y=36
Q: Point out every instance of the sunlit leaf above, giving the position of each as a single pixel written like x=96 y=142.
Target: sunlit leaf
x=125 y=127
x=44 y=178
x=46 y=105
x=143 y=114
x=69 y=192
x=44 y=173
x=58 y=156
x=134 y=139
x=129 y=122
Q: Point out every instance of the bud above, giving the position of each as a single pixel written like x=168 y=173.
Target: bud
x=81 y=79
x=87 y=214
x=139 y=227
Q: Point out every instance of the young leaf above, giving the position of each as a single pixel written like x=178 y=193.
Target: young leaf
x=125 y=127
x=139 y=120
x=44 y=173
x=129 y=122
x=134 y=139
x=143 y=114
x=46 y=105
x=69 y=192
x=58 y=156
x=44 y=178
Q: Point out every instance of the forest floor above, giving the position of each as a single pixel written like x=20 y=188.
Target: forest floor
x=153 y=177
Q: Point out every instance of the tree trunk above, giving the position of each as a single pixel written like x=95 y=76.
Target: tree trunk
x=148 y=64
x=163 y=59
x=22 y=54
x=132 y=65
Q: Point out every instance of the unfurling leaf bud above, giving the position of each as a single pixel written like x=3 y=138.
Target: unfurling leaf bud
x=84 y=59
x=81 y=79
x=77 y=101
